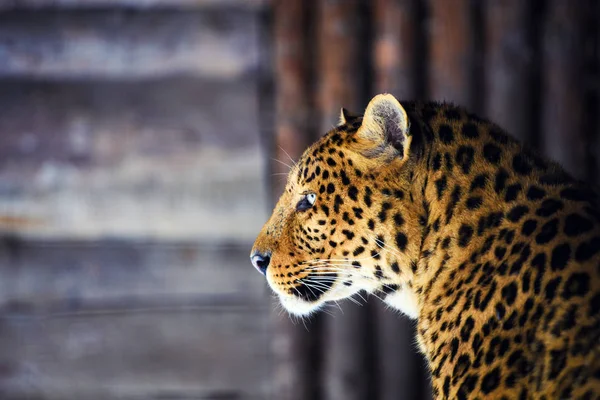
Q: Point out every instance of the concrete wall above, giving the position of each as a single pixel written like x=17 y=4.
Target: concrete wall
x=131 y=187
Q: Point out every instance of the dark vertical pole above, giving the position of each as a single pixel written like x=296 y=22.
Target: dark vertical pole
x=396 y=56
x=510 y=65
x=451 y=51
x=294 y=347
x=395 y=47
x=593 y=103
x=563 y=98
x=339 y=65
x=340 y=83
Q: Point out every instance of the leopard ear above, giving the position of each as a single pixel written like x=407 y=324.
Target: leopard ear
x=346 y=116
x=385 y=128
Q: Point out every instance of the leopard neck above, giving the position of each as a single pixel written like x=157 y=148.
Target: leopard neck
x=468 y=178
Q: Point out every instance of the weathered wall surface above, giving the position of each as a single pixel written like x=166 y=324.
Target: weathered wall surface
x=131 y=187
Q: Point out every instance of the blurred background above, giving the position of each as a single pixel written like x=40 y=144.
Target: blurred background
x=141 y=147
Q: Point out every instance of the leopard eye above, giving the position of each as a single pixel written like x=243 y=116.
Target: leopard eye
x=306 y=202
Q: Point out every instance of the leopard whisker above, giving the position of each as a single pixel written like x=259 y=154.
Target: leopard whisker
x=324 y=278
x=352 y=299
x=345 y=271
x=320 y=284
x=310 y=288
x=361 y=296
x=345 y=274
x=338 y=306
x=281 y=162
x=382 y=245
x=317 y=260
x=287 y=154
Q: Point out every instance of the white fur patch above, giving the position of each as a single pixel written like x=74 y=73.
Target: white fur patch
x=297 y=306
x=405 y=301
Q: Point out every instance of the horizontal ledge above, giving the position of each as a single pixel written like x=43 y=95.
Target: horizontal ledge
x=110 y=277
x=76 y=308
x=15 y=242
x=113 y=44
x=141 y=4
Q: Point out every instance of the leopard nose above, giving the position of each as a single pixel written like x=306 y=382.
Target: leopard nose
x=261 y=261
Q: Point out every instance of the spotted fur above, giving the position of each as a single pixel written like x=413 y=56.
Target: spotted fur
x=492 y=248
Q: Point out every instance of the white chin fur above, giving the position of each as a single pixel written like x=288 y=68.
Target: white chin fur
x=297 y=306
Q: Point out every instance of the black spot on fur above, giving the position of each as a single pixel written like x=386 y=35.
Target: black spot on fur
x=467 y=328
x=549 y=207
x=452 y=203
x=576 y=194
x=521 y=165
x=501 y=178
x=479 y=182
x=469 y=130
x=398 y=220
x=587 y=249
x=345 y=179
x=558 y=361
x=449 y=163
x=337 y=202
x=437 y=162
x=516 y=213
x=401 y=241
x=529 y=227
x=452 y=114
x=385 y=207
x=440 y=185
x=348 y=234
x=499 y=252
x=509 y=293
x=464 y=158
x=474 y=202
x=512 y=192
x=359 y=250
x=547 y=232
x=465 y=232
x=492 y=153
x=560 y=256
x=576 y=225
x=594 y=309
x=535 y=193
x=490 y=381
x=367 y=197
x=551 y=287
x=446 y=134
x=578 y=285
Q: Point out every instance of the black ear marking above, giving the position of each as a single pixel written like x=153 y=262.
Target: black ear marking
x=347 y=116
x=386 y=125
x=394 y=133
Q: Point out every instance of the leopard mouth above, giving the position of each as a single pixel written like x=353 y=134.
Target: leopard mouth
x=313 y=286
x=309 y=293
x=313 y=291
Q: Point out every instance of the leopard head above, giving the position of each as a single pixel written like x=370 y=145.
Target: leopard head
x=343 y=223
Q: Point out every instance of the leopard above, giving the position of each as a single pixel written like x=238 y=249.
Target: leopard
x=493 y=249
